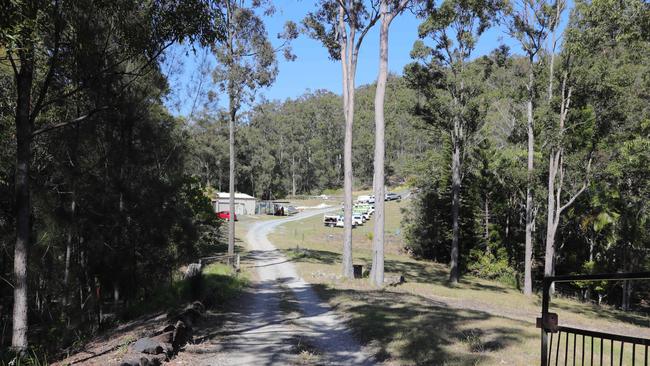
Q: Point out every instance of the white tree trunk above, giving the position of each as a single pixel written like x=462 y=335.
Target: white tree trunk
x=24 y=129
x=528 y=258
x=454 y=272
x=377 y=274
x=552 y=216
x=231 y=185
x=347 y=64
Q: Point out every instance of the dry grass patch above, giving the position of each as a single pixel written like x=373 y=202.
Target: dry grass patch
x=427 y=320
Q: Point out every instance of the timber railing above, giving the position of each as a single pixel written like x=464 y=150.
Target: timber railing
x=231 y=260
x=573 y=346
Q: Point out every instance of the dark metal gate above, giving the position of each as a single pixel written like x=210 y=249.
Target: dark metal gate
x=562 y=345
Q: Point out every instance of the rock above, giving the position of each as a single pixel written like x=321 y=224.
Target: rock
x=193 y=270
x=394 y=280
x=141 y=360
x=198 y=306
x=190 y=317
x=165 y=329
x=164 y=337
x=146 y=345
x=182 y=335
x=130 y=362
x=194 y=278
x=160 y=344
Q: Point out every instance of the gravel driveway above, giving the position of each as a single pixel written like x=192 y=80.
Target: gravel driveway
x=263 y=334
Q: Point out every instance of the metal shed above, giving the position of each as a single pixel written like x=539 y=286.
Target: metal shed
x=244 y=203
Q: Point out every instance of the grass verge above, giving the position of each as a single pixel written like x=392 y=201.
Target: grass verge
x=426 y=320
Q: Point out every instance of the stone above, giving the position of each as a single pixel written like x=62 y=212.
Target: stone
x=160 y=344
x=165 y=329
x=182 y=335
x=142 y=360
x=193 y=270
x=164 y=337
x=189 y=316
x=198 y=306
x=394 y=280
x=146 y=345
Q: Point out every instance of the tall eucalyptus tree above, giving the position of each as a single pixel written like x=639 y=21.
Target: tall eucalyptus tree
x=531 y=22
x=454 y=29
x=246 y=62
x=388 y=10
x=335 y=24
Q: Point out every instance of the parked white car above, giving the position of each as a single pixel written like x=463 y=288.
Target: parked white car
x=358 y=219
x=366 y=199
x=336 y=221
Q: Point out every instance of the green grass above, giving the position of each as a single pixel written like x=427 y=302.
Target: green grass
x=220 y=283
x=34 y=356
x=426 y=320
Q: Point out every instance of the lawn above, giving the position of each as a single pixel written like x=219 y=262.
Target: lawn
x=428 y=321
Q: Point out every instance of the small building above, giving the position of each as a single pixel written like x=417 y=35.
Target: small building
x=244 y=204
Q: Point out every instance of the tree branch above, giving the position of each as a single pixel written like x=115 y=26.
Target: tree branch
x=53 y=64
x=71 y=122
x=13 y=63
x=582 y=189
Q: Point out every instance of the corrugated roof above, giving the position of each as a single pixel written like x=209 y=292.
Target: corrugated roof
x=242 y=196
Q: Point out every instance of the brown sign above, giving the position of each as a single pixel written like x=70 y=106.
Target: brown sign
x=548 y=322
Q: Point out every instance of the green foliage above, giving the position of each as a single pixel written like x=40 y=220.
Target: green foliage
x=492 y=265
x=606 y=49
x=34 y=356
x=220 y=284
x=297 y=144
x=113 y=211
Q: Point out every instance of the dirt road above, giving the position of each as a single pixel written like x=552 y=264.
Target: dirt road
x=262 y=333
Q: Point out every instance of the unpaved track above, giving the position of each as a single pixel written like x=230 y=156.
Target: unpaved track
x=265 y=335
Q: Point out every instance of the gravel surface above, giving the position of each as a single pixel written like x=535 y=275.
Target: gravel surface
x=264 y=334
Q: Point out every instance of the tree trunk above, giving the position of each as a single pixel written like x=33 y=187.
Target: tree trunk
x=377 y=275
x=232 y=109
x=231 y=183
x=68 y=253
x=486 y=233
x=293 y=176
x=347 y=188
x=528 y=259
x=556 y=172
x=348 y=107
x=24 y=127
x=551 y=215
x=454 y=272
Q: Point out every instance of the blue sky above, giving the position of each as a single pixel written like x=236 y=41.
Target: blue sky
x=313 y=70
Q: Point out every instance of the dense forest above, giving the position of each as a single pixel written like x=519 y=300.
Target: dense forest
x=590 y=156
x=97 y=205
x=519 y=164
x=293 y=148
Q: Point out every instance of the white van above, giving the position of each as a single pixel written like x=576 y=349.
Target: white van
x=363 y=199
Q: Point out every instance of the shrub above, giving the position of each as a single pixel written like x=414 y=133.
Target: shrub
x=491 y=265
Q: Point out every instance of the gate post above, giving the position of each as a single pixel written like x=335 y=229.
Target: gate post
x=546 y=286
